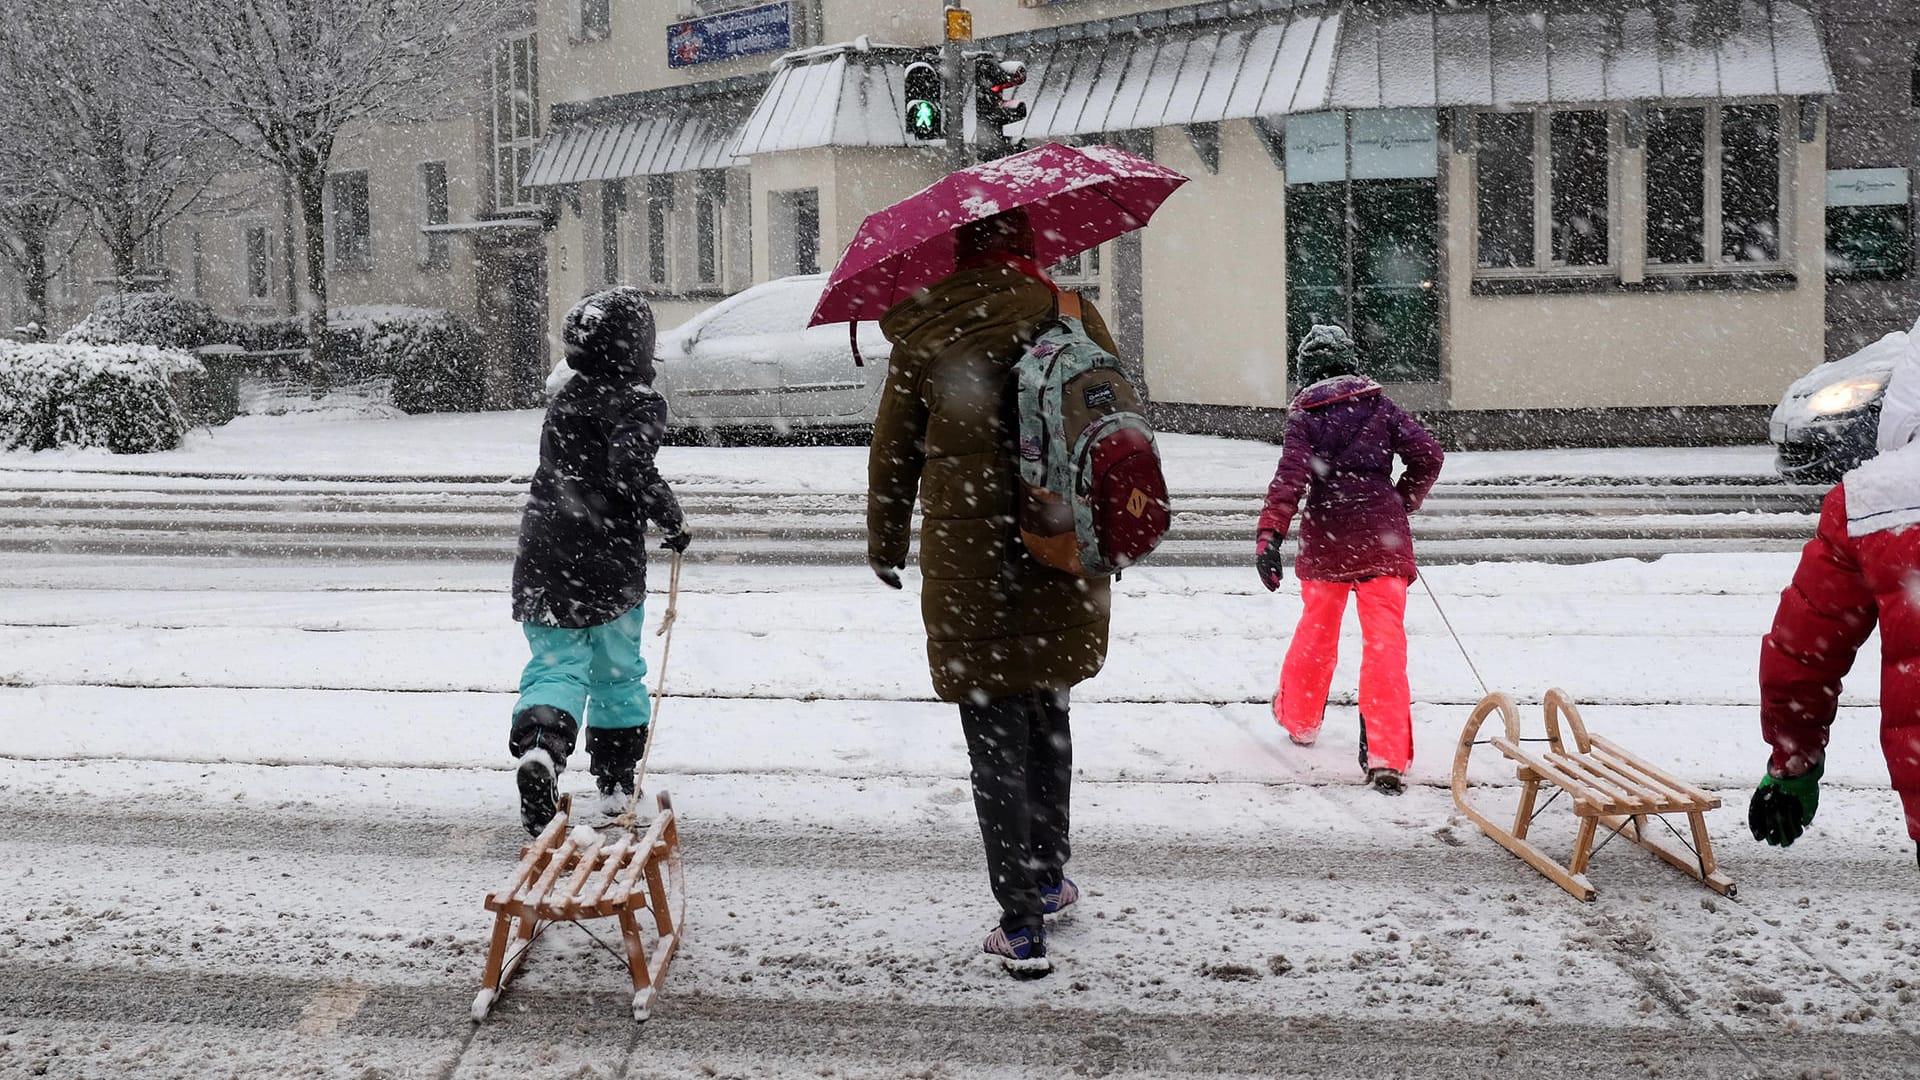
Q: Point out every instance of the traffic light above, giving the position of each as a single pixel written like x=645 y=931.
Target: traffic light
x=924 y=119
x=993 y=80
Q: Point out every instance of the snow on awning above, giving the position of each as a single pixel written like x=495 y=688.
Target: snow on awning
x=648 y=146
x=1566 y=52
x=846 y=95
x=1144 y=80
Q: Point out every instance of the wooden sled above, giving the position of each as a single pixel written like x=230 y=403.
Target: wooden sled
x=559 y=880
x=1609 y=787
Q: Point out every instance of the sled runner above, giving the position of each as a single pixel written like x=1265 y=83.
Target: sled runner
x=562 y=878
x=1608 y=786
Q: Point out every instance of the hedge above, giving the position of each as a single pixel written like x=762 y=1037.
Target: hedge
x=115 y=397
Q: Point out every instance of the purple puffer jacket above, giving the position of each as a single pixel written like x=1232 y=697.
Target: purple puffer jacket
x=1342 y=435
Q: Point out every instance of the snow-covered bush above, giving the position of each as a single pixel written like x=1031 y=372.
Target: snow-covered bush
x=432 y=357
x=114 y=397
x=171 y=322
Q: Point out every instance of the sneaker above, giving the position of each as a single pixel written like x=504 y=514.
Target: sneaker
x=1058 y=898
x=1387 y=781
x=1023 y=952
x=539 y=792
x=614 y=794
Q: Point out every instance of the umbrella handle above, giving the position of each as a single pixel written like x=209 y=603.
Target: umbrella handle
x=853 y=342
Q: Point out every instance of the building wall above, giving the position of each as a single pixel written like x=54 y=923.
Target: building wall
x=1873 y=123
x=1619 y=348
x=1215 y=276
x=391 y=155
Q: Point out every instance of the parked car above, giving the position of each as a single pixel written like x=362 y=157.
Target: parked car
x=751 y=362
x=1826 y=423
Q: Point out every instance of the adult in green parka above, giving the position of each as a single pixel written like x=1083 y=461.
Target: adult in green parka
x=1006 y=637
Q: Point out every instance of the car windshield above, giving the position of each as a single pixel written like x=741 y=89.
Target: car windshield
x=779 y=310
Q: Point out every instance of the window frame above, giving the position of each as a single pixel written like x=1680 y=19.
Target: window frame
x=1543 y=223
x=516 y=144
x=613 y=207
x=356 y=255
x=248 y=295
x=710 y=238
x=1713 y=223
x=654 y=224
x=593 y=20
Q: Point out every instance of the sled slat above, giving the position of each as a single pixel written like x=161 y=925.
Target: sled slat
x=1620 y=798
x=1690 y=791
x=1582 y=793
x=615 y=857
x=532 y=858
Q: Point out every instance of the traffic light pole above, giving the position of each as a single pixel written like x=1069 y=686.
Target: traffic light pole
x=952 y=103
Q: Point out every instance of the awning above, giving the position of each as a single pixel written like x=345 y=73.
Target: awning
x=484 y=225
x=1139 y=74
x=1143 y=80
x=850 y=95
x=672 y=142
x=1566 y=52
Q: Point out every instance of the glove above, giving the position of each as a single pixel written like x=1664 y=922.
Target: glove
x=888 y=573
x=1783 y=808
x=1267 y=561
x=677 y=541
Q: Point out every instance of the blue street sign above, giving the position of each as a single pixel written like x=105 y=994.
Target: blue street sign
x=731 y=34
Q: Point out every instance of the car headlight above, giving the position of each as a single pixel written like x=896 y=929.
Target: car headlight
x=1842 y=396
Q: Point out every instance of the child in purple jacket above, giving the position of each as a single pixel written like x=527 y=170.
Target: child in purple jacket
x=1343 y=434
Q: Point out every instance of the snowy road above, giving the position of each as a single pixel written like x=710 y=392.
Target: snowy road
x=257 y=804
x=257 y=798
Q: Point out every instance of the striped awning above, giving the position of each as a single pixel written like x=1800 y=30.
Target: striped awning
x=1566 y=52
x=648 y=146
x=1185 y=77
x=849 y=96
x=1412 y=54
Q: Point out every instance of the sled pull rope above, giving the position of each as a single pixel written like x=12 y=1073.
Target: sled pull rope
x=631 y=819
x=1457 y=643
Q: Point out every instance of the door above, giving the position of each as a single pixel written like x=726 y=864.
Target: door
x=511 y=280
x=1365 y=254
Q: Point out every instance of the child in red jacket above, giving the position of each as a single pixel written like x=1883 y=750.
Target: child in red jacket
x=1863 y=566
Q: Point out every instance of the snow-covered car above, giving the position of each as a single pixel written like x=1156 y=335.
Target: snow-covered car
x=751 y=362
x=1825 y=424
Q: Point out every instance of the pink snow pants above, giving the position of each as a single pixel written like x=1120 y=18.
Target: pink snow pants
x=1385 y=701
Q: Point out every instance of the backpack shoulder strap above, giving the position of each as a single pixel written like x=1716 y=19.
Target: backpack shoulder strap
x=1069 y=305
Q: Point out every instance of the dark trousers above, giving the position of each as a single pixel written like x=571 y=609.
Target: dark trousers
x=1022 y=754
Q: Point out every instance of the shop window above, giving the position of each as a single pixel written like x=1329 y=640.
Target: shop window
x=1714 y=173
x=1869 y=224
x=659 y=223
x=709 y=227
x=613 y=201
x=436 y=251
x=795 y=232
x=1542 y=189
x=259 y=262
x=351 y=215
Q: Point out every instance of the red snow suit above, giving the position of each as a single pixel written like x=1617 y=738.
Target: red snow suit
x=1843 y=583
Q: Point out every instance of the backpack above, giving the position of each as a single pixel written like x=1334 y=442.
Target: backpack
x=1093 y=500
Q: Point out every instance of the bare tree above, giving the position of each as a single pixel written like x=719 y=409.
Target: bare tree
x=283 y=79
x=81 y=126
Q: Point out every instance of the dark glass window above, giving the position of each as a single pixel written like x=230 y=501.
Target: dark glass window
x=659 y=217
x=1676 y=185
x=259 y=263
x=613 y=199
x=352 y=221
x=437 y=251
x=709 y=226
x=1578 y=144
x=1504 y=190
x=596 y=19
x=1750 y=183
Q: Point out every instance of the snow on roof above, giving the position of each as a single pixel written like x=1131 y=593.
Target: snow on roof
x=842 y=95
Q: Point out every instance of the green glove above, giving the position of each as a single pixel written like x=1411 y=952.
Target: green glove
x=1783 y=808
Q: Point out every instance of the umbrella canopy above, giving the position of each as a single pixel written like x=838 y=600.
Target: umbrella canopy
x=1074 y=196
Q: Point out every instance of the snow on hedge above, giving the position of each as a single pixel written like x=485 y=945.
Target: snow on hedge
x=113 y=397
x=431 y=355
x=162 y=319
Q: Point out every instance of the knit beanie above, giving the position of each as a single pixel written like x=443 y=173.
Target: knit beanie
x=1325 y=352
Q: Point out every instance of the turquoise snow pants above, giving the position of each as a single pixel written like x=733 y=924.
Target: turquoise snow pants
x=596 y=674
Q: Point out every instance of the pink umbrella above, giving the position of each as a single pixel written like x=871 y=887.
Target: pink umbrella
x=1075 y=197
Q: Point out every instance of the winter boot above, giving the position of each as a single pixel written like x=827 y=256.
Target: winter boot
x=1387 y=781
x=612 y=755
x=1059 y=896
x=1364 y=769
x=1023 y=952
x=541 y=739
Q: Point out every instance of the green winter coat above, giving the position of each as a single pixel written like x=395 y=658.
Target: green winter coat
x=997 y=622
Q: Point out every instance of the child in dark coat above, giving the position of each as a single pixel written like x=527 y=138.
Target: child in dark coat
x=580 y=581
x=1343 y=434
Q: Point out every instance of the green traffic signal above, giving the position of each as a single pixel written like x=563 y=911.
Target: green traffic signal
x=923 y=91
x=923 y=119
